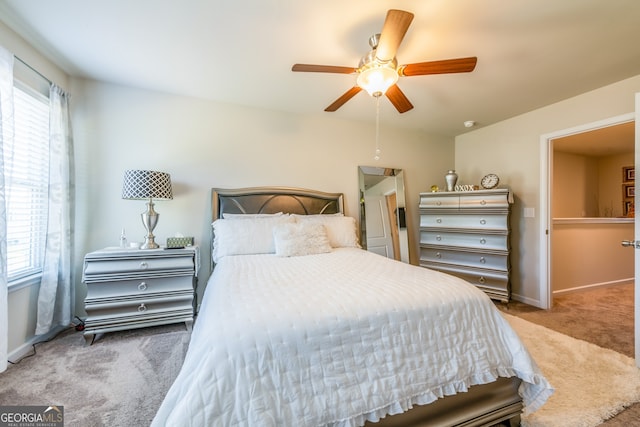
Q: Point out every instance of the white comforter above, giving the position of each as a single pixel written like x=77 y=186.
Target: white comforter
x=336 y=339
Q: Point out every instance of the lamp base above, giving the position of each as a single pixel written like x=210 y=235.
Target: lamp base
x=149 y=243
x=149 y=220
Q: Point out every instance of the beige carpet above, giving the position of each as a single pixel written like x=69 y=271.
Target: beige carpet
x=118 y=381
x=592 y=383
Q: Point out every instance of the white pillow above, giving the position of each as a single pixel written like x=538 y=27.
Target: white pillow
x=227 y=215
x=300 y=239
x=245 y=237
x=341 y=230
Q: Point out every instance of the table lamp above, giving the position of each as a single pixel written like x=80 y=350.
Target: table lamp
x=143 y=185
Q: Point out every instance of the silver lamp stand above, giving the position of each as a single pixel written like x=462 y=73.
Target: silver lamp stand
x=149 y=220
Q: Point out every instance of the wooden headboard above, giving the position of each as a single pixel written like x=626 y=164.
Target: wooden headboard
x=274 y=199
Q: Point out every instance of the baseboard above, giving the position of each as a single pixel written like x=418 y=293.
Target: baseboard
x=594 y=286
x=526 y=300
x=27 y=348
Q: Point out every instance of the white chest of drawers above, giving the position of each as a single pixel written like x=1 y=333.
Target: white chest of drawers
x=129 y=289
x=466 y=234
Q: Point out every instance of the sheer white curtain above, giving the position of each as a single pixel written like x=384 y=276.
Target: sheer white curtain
x=6 y=131
x=56 y=297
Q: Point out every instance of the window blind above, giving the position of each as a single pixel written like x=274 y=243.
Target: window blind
x=27 y=178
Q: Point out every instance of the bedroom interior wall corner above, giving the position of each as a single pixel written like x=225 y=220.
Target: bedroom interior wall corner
x=511 y=149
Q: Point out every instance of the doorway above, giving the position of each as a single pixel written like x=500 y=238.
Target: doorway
x=570 y=208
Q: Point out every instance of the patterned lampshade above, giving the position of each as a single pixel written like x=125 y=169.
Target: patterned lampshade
x=140 y=184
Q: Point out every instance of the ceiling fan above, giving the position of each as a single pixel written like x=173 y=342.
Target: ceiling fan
x=378 y=71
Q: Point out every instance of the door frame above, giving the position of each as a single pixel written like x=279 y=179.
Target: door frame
x=546 y=186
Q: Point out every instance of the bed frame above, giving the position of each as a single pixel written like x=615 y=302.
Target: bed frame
x=496 y=403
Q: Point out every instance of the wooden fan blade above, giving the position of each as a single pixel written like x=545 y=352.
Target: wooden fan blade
x=343 y=99
x=395 y=27
x=310 y=68
x=398 y=99
x=459 y=65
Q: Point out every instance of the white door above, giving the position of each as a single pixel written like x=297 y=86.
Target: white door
x=637 y=238
x=379 y=239
x=636 y=242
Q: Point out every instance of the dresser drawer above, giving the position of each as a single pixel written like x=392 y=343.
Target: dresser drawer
x=465 y=240
x=494 y=284
x=104 y=267
x=439 y=202
x=484 y=260
x=484 y=201
x=145 y=286
x=479 y=222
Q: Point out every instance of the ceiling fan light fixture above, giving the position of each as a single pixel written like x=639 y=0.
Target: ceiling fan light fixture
x=377 y=78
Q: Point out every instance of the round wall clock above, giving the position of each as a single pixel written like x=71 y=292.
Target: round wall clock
x=490 y=181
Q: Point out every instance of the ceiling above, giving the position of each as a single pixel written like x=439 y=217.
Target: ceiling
x=530 y=53
x=606 y=141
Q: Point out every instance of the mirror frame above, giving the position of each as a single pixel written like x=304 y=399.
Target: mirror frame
x=387 y=185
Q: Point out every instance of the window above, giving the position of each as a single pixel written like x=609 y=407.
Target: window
x=26 y=178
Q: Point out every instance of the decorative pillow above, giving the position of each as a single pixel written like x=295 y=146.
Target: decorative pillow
x=227 y=215
x=300 y=239
x=245 y=237
x=341 y=230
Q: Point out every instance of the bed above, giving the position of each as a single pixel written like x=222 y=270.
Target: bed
x=299 y=326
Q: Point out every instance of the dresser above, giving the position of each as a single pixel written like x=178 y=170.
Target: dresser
x=466 y=234
x=129 y=289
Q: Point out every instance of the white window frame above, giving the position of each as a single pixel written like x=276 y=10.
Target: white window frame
x=32 y=174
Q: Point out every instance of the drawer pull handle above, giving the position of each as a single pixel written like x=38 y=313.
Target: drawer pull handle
x=438 y=203
x=483 y=202
x=439 y=220
x=438 y=237
x=142 y=308
x=142 y=286
x=483 y=241
x=483 y=221
x=483 y=260
x=481 y=279
x=438 y=255
x=144 y=265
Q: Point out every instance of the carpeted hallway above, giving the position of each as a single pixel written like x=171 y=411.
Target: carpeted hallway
x=601 y=316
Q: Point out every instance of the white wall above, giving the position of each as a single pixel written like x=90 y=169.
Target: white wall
x=588 y=253
x=205 y=144
x=511 y=149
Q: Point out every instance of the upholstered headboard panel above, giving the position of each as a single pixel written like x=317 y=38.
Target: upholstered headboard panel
x=274 y=199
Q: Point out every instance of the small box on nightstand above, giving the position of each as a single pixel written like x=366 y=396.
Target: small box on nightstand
x=179 y=242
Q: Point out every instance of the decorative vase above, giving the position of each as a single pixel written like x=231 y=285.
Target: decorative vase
x=451 y=178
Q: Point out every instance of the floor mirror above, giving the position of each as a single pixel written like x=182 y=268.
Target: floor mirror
x=383 y=226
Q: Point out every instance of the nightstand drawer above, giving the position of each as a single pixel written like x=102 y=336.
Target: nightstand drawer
x=124 y=310
x=138 y=265
x=145 y=286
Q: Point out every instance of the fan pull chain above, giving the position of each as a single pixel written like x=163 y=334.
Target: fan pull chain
x=377 y=155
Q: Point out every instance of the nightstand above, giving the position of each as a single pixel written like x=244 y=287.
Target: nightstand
x=129 y=289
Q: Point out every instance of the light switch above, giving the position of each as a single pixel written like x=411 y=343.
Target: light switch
x=529 y=212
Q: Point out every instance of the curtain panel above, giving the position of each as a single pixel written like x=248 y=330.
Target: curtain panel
x=56 y=296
